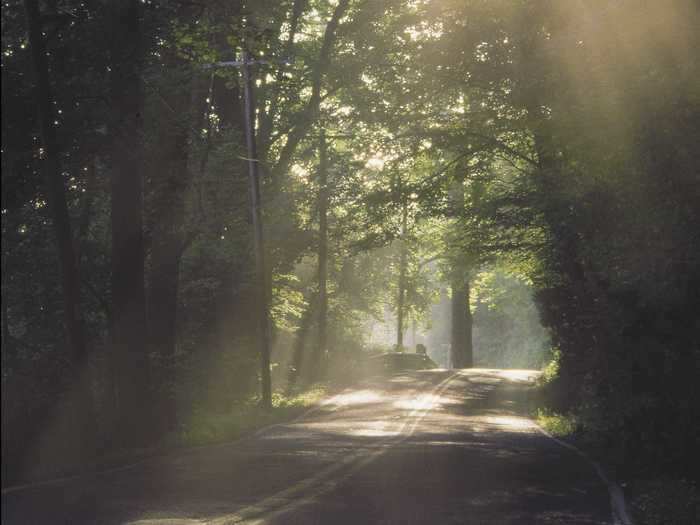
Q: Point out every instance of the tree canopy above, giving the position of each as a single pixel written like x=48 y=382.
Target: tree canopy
x=404 y=149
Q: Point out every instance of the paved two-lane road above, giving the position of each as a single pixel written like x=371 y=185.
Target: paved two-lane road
x=432 y=447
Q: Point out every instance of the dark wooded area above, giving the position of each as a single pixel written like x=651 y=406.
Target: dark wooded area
x=204 y=206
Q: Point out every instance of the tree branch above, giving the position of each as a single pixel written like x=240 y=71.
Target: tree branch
x=310 y=112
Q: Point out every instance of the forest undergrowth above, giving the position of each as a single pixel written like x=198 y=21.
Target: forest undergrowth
x=653 y=498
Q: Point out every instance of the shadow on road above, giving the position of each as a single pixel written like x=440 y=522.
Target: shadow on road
x=413 y=448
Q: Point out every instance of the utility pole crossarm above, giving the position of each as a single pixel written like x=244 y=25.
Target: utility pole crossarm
x=247 y=62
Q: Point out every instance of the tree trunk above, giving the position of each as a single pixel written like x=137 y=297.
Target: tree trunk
x=132 y=372
x=169 y=182
x=309 y=114
x=461 y=350
x=322 y=343
x=267 y=116
x=414 y=332
x=165 y=262
x=468 y=353
x=297 y=368
x=85 y=215
x=56 y=197
x=166 y=249
x=401 y=300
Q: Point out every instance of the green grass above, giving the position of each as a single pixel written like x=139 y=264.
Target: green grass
x=656 y=501
x=303 y=399
x=559 y=425
x=206 y=427
x=551 y=369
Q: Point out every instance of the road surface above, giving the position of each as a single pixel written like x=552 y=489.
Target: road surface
x=429 y=447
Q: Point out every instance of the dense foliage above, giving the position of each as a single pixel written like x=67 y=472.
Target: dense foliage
x=404 y=147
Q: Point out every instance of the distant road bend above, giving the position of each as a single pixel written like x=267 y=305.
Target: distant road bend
x=429 y=447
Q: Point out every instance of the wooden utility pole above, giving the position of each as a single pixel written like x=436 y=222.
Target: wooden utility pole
x=322 y=250
x=262 y=306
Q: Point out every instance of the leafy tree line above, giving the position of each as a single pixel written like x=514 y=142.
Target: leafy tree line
x=394 y=139
x=141 y=146
x=561 y=138
x=580 y=123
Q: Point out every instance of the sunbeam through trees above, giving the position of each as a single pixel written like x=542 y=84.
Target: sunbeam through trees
x=214 y=213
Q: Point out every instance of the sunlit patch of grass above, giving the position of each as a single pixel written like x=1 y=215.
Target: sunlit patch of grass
x=542 y=402
x=559 y=425
x=659 y=501
x=303 y=399
x=206 y=427
x=551 y=369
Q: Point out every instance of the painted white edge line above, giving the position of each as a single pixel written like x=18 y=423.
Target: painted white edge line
x=618 y=504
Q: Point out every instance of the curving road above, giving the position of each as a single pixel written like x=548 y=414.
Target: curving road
x=431 y=447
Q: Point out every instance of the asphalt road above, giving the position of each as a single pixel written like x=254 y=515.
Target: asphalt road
x=431 y=447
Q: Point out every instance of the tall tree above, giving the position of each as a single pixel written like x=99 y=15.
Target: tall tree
x=403 y=268
x=309 y=114
x=461 y=349
x=53 y=175
x=169 y=183
x=129 y=329
x=460 y=258
x=322 y=343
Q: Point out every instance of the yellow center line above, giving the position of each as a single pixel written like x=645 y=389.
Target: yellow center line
x=279 y=503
